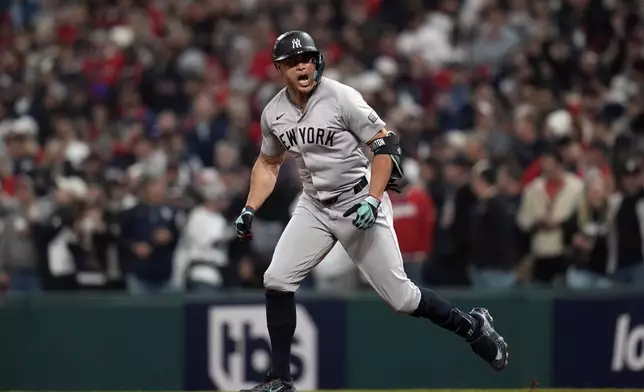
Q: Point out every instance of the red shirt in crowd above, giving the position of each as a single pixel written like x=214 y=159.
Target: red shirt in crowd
x=414 y=220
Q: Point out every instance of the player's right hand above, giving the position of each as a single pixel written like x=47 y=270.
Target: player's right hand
x=366 y=213
x=243 y=223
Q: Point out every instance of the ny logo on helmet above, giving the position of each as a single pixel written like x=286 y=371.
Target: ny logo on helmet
x=296 y=43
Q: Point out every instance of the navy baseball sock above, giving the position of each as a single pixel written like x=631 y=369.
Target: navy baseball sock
x=446 y=315
x=281 y=320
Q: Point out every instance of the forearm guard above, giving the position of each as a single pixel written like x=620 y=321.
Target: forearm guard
x=390 y=145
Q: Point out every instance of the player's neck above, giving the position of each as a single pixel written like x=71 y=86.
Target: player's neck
x=297 y=98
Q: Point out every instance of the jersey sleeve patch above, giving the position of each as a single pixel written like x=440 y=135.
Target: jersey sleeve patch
x=373 y=117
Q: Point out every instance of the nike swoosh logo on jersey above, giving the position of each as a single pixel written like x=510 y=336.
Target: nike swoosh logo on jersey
x=280 y=116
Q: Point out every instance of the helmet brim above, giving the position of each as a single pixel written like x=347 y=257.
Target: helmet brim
x=304 y=49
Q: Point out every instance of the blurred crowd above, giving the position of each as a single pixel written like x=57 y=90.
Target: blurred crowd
x=129 y=127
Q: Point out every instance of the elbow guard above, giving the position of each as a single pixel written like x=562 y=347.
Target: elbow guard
x=390 y=145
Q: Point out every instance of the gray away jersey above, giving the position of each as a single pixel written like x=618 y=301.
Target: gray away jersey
x=326 y=140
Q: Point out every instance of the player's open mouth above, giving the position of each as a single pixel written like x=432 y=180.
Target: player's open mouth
x=303 y=81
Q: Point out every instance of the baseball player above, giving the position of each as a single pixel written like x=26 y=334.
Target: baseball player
x=324 y=124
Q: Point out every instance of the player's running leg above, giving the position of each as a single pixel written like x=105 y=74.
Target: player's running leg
x=376 y=253
x=303 y=244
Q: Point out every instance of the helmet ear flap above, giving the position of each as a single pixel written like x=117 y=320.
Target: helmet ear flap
x=319 y=67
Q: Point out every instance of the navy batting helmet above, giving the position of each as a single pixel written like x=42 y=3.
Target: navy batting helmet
x=293 y=43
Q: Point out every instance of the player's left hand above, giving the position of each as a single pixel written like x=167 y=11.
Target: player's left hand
x=366 y=213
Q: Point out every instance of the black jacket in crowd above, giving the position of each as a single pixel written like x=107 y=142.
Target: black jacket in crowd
x=591 y=223
x=139 y=224
x=490 y=230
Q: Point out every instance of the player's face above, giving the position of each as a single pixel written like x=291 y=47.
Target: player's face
x=299 y=72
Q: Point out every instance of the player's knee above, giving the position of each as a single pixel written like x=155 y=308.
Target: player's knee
x=406 y=303
x=403 y=307
x=277 y=282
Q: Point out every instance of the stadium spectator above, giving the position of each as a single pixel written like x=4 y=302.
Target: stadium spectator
x=53 y=223
x=93 y=241
x=18 y=252
x=517 y=243
x=586 y=232
x=201 y=260
x=489 y=260
x=547 y=203
x=449 y=264
x=414 y=221
x=21 y=148
x=149 y=236
x=625 y=252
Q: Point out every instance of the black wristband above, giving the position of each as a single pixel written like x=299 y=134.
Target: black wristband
x=249 y=208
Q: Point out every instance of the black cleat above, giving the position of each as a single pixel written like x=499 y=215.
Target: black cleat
x=272 y=385
x=488 y=344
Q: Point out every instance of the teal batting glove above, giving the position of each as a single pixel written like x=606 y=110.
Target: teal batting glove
x=366 y=213
x=243 y=224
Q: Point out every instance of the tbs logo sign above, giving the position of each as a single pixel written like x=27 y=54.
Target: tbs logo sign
x=239 y=348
